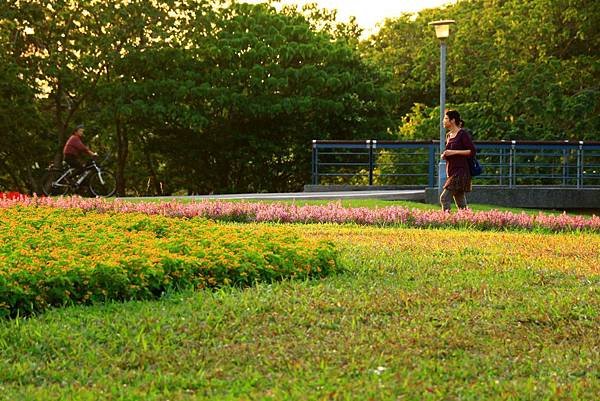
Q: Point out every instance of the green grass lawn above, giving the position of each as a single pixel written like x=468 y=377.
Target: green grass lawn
x=373 y=203
x=418 y=315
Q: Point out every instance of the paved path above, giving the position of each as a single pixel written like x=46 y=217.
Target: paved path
x=415 y=195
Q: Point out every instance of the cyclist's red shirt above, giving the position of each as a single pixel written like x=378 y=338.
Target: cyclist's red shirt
x=75 y=146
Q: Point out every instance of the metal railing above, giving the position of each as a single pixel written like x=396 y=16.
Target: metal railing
x=506 y=163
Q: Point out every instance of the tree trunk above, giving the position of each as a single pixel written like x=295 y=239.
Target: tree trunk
x=61 y=129
x=122 y=153
x=33 y=183
x=157 y=187
x=15 y=181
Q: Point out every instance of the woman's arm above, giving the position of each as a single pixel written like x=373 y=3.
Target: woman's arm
x=465 y=142
x=450 y=153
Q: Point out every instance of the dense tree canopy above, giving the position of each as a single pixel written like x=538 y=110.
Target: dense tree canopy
x=518 y=70
x=206 y=96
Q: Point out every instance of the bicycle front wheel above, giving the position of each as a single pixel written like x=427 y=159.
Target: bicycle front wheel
x=103 y=184
x=51 y=186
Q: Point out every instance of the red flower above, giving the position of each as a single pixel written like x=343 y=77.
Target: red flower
x=12 y=195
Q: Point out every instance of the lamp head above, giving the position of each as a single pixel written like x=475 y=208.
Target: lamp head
x=442 y=28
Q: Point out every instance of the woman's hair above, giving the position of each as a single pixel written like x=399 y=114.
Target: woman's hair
x=455 y=115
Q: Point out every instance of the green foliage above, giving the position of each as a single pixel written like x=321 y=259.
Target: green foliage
x=267 y=85
x=482 y=119
x=522 y=70
x=51 y=257
x=20 y=117
x=203 y=96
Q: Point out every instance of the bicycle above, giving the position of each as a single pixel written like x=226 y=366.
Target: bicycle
x=60 y=181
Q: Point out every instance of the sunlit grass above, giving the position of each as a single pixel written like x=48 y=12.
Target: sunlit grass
x=418 y=314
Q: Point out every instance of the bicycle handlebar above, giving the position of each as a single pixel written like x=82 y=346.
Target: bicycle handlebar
x=101 y=163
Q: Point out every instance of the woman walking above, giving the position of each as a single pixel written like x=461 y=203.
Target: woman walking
x=459 y=147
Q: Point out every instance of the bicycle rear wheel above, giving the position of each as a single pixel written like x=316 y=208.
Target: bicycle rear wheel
x=52 y=188
x=103 y=184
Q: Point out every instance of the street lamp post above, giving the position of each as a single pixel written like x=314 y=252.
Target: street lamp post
x=442 y=32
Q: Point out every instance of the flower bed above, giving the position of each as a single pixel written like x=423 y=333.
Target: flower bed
x=331 y=213
x=52 y=257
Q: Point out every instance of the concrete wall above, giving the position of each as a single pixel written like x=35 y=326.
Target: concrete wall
x=529 y=197
x=521 y=196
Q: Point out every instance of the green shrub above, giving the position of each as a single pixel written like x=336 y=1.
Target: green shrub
x=52 y=257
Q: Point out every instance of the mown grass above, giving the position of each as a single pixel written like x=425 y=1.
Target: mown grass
x=418 y=314
x=379 y=203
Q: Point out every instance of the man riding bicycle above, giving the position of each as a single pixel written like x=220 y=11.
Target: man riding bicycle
x=82 y=178
x=75 y=148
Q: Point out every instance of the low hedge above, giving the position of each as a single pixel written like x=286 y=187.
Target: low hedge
x=54 y=257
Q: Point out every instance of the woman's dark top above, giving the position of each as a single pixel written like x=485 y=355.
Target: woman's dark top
x=457 y=167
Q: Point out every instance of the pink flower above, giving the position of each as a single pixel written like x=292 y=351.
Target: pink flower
x=331 y=213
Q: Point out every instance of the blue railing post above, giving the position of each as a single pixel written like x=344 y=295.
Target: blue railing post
x=373 y=155
x=315 y=163
x=501 y=167
x=565 y=166
x=370 y=146
x=431 y=167
x=580 y=165
x=512 y=180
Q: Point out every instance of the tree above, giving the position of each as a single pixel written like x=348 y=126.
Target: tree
x=142 y=47
x=521 y=70
x=21 y=124
x=267 y=84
